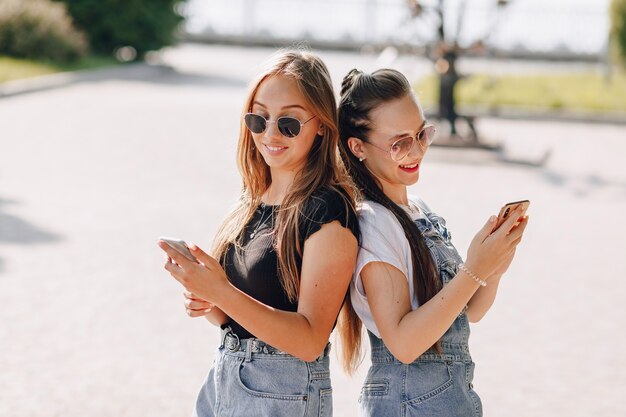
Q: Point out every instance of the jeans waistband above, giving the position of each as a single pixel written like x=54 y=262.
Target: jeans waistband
x=231 y=341
x=457 y=352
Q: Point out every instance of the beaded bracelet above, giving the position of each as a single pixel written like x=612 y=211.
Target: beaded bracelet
x=472 y=275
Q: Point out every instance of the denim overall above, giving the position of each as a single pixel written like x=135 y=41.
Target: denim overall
x=252 y=378
x=434 y=384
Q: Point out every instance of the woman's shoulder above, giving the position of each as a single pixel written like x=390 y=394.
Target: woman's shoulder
x=326 y=204
x=374 y=215
x=381 y=231
x=369 y=209
x=329 y=201
x=328 y=194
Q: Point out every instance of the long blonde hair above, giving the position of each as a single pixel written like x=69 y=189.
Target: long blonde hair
x=323 y=167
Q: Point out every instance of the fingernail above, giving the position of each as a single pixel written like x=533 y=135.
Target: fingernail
x=492 y=219
x=193 y=246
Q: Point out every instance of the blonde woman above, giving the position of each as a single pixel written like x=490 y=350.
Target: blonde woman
x=411 y=289
x=282 y=260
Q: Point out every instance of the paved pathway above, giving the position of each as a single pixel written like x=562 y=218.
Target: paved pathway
x=92 y=174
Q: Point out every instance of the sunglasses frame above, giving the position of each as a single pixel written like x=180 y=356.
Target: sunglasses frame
x=414 y=137
x=277 y=121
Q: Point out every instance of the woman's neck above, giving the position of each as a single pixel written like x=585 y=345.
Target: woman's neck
x=276 y=192
x=396 y=193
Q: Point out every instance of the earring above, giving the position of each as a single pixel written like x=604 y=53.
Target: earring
x=361 y=159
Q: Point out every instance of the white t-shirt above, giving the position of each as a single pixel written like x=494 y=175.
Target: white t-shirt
x=382 y=240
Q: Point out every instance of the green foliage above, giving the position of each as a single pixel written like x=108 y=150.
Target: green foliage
x=19 y=68
x=14 y=68
x=39 y=29
x=618 y=28
x=577 y=91
x=145 y=25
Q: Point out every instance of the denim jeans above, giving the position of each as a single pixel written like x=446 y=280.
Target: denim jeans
x=435 y=384
x=256 y=379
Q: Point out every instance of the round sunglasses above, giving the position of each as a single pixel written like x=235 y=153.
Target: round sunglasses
x=402 y=147
x=287 y=126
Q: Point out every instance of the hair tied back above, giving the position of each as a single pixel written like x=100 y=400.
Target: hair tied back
x=349 y=80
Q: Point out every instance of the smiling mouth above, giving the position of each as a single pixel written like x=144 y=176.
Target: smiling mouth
x=274 y=148
x=410 y=166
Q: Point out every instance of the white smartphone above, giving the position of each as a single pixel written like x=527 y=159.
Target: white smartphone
x=180 y=245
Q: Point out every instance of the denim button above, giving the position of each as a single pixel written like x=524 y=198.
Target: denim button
x=471 y=386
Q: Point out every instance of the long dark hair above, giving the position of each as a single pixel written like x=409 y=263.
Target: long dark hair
x=360 y=94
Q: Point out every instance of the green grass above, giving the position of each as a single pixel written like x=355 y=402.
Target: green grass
x=584 y=91
x=14 y=68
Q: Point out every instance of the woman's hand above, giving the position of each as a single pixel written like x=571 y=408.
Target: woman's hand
x=204 y=278
x=196 y=307
x=491 y=252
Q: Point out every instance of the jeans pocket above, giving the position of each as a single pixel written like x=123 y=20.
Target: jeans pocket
x=274 y=379
x=426 y=382
x=375 y=388
x=375 y=397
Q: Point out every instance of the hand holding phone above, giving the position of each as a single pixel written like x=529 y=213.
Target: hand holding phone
x=510 y=207
x=180 y=245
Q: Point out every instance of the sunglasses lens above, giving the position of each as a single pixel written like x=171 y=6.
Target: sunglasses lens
x=426 y=136
x=255 y=123
x=401 y=148
x=289 y=126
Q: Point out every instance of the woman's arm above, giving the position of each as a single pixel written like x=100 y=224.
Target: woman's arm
x=409 y=333
x=482 y=300
x=328 y=261
x=197 y=307
x=217 y=317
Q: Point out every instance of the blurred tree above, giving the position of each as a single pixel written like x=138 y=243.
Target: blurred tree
x=39 y=29
x=444 y=50
x=618 y=28
x=145 y=25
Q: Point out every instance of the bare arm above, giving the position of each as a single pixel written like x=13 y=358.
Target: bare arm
x=197 y=307
x=409 y=333
x=328 y=261
x=217 y=317
x=482 y=300
x=327 y=264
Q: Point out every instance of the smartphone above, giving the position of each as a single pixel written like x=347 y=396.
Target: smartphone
x=180 y=245
x=508 y=208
